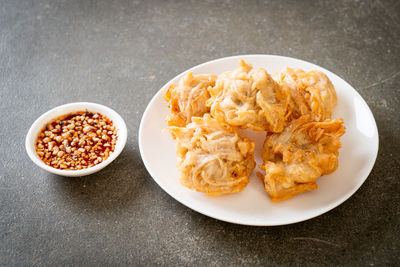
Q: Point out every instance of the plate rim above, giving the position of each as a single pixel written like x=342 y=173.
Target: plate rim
x=323 y=210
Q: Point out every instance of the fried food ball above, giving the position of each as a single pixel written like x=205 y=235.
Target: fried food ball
x=188 y=98
x=295 y=158
x=311 y=93
x=211 y=156
x=249 y=98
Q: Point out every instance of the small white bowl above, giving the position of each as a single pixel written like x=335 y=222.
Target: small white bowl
x=66 y=109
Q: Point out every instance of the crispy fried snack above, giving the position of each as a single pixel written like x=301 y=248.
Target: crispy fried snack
x=188 y=98
x=295 y=158
x=311 y=93
x=249 y=98
x=212 y=157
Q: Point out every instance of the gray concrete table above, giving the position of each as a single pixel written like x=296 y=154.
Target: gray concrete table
x=119 y=53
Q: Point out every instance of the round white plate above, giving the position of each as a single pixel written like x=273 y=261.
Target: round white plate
x=253 y=206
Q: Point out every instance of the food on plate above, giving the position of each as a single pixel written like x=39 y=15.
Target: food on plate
x=211 y=156
x=312 y=93
x=248 y=97
x=76 y=141
x=188 y=98
x=294 y=107
x=295 y=158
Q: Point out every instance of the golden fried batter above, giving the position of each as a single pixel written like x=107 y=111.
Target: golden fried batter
x=293 y=106
x=188 y=98
x=311 y=92
x=295 y=158
x=249 y=98
x=212 y=157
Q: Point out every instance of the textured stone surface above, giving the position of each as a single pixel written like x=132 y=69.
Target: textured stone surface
x=119 y=53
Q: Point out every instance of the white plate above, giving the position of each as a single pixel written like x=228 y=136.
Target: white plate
x=253 y=206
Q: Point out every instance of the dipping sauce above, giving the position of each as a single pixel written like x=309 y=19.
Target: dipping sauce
x=77 y=141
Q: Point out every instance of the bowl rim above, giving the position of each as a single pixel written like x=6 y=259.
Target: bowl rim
x=69 y=108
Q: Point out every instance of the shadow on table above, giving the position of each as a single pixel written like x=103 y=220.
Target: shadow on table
x=337 y=235
x=113 y=188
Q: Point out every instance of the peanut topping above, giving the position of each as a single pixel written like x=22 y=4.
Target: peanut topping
x=77 y=141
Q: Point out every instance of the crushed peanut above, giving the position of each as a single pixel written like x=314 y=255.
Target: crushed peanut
x=77 y=141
